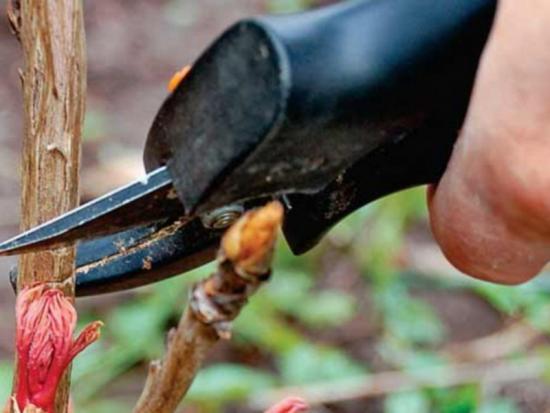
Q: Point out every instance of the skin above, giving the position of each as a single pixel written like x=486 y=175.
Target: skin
x=490 y=213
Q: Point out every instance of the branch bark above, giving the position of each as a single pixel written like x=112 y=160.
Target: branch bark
x=244 y=263
x=54 y=87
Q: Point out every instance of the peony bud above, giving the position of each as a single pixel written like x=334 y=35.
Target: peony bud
x=46 y=320
x=289 y=405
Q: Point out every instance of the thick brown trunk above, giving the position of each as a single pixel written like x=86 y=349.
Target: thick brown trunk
x=54 y=87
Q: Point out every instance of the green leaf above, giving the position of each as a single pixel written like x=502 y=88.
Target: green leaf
x=507 y=299
x=229 y=382
x=457 y=400
x=498 y=406
x=290 y=292
x=327 y=308
x=415 y=321
x=538 y=316
x=95 y=368
x=308 y=363
x=6 y=377
x=347 y=230
x=133 y=332
x=419 y=360
x=288 y=289
x=136 y=326
x=408 y=319
x=260 y=325
x=141 y=323
x=285 y=260
x=376 y=249
x=407 y=402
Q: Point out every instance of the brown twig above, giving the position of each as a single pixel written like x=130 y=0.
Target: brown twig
x=379 y=384
x=515 y=337
x=54 y=84
x=244 y=262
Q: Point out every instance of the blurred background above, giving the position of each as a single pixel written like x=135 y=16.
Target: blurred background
x=372 y=320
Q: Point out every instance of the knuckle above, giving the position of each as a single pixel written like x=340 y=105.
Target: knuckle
x=477 y=241
x=517 y=190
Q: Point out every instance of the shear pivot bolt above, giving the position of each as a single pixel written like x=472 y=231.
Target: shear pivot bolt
x=222 y=217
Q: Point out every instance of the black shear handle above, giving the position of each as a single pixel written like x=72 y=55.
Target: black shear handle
x=288 y=104
x=379 y=92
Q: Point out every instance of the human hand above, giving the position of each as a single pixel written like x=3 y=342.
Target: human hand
x=490 y=212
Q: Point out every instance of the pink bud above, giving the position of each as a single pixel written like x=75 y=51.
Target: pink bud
x=289 y=405
x=46 y=320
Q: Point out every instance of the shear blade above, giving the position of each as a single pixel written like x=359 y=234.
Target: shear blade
x=143 y=201
x=142 y=255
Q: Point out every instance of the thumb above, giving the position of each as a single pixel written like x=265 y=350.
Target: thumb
x=490 y=212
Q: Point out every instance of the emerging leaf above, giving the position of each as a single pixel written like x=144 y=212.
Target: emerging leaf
x=46 y=321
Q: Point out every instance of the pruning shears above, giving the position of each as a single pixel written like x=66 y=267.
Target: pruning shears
x=325 y=110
